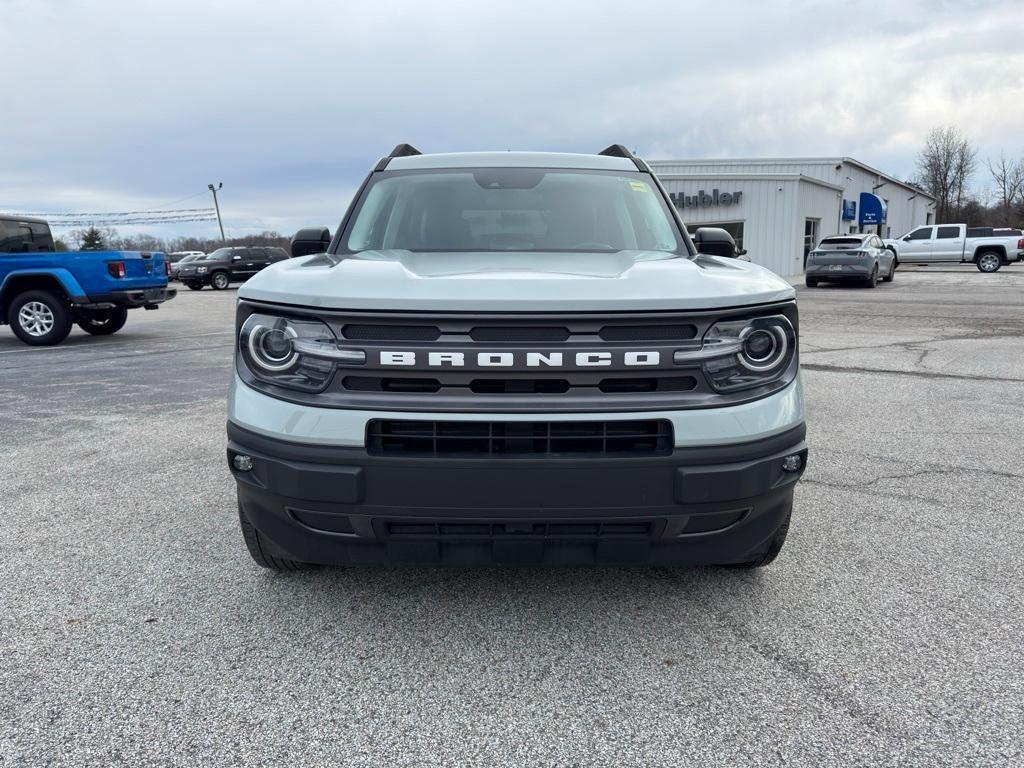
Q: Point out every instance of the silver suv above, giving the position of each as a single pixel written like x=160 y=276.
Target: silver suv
x=515 y=358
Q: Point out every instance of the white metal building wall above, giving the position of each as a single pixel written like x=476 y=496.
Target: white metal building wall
x=766 y=207
x=776 y=201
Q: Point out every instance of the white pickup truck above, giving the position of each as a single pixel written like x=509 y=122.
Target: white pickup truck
x=985 y=247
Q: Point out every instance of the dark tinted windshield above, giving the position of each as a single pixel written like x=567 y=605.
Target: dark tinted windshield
x=512 y=209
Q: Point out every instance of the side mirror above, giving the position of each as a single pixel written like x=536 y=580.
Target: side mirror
x=713 y=241
x=310 y=240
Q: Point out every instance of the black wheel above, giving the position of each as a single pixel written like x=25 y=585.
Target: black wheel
x=261 y=552
x=892 y=272
x=811 y=282
x=872 y=281
x=219 y=280
x=40 y=318
x=989 y=261
x=774 y=547
x=194 y=285
x=103 y=322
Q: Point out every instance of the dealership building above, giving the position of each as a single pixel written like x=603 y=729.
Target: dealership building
x=779 y=208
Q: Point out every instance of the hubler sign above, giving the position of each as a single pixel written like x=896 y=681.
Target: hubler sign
x=703 y=200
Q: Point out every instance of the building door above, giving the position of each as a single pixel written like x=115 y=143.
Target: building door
x=811 y=227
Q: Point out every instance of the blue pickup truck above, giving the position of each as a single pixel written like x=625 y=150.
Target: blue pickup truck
x=43 y=293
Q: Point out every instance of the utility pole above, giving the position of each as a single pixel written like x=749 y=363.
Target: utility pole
x=220 y=185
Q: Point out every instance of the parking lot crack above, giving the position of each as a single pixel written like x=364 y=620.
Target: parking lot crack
x=827 y=368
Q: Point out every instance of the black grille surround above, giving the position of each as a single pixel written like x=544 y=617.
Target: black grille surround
x=570 y=439
x=518 y=389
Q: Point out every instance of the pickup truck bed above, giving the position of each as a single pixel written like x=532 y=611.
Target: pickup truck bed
x=43 y=293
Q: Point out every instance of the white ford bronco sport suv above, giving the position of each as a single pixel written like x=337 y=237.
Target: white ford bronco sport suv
x=518 y=359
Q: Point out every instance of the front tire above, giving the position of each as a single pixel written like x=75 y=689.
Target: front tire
x=261 y=552
x=219 y=281
x=872 y=281
x=103 y=322
x=40 y=318
x=989 y=261
x=892 y=272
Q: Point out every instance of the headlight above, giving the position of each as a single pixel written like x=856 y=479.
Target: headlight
x=297 y=354
x=742 y=354
x=200 y=270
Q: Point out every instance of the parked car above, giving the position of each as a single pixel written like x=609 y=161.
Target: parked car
x=228 y=265
x=515 y=358
x=858 y=258
x=956 y=244
x=183 y=258
x=43 y=293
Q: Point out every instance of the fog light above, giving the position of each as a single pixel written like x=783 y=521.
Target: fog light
x=789 y=464
x=243 y=463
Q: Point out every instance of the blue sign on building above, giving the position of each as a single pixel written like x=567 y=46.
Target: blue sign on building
x=849 y=210
x=872 y=209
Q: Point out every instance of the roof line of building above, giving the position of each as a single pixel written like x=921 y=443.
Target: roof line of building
x=770 y=160
x=753 y=176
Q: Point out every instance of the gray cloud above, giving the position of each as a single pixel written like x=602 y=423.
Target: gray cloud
x=116 y=104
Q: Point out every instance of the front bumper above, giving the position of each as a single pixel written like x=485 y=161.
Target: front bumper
x=339 y=505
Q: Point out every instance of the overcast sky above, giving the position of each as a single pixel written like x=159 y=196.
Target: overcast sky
x=125 y=104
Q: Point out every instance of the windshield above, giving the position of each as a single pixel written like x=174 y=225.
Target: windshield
x=510 y=210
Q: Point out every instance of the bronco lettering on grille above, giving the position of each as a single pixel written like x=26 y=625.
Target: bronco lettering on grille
x=584 y=359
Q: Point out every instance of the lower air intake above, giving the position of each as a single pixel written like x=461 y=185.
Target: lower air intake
x=531 y=438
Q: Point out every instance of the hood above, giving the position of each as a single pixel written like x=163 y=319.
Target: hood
x=516 y=282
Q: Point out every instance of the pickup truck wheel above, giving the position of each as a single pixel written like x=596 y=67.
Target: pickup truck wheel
x=774 y=547
x=194 y=286
x=260 y=551
x=811 y=282
x=103 y=322
x=40 y=318
x=872 y=281
x=219 y=281
x=989 y=261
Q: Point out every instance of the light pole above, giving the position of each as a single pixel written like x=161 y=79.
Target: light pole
x=220 y=185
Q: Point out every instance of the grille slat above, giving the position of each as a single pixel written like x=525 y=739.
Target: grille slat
x=648 y=332
x=358 y=332
x=533 y=438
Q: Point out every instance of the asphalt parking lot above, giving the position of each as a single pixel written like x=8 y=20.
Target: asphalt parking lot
x=136 y=631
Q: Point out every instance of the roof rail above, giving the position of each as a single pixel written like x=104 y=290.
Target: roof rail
x=400 y=150
x=619 y=150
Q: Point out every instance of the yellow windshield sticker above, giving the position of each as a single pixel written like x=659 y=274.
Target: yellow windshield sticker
x=638 y=186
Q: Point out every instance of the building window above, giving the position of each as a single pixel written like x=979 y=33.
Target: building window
x=928 y=219
x=734 y=228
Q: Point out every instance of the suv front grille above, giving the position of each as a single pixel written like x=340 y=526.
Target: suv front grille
x=386 y=437
x=524 y=363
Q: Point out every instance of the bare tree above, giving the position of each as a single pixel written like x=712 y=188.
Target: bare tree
x=1008 y=176
x=945 y=166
